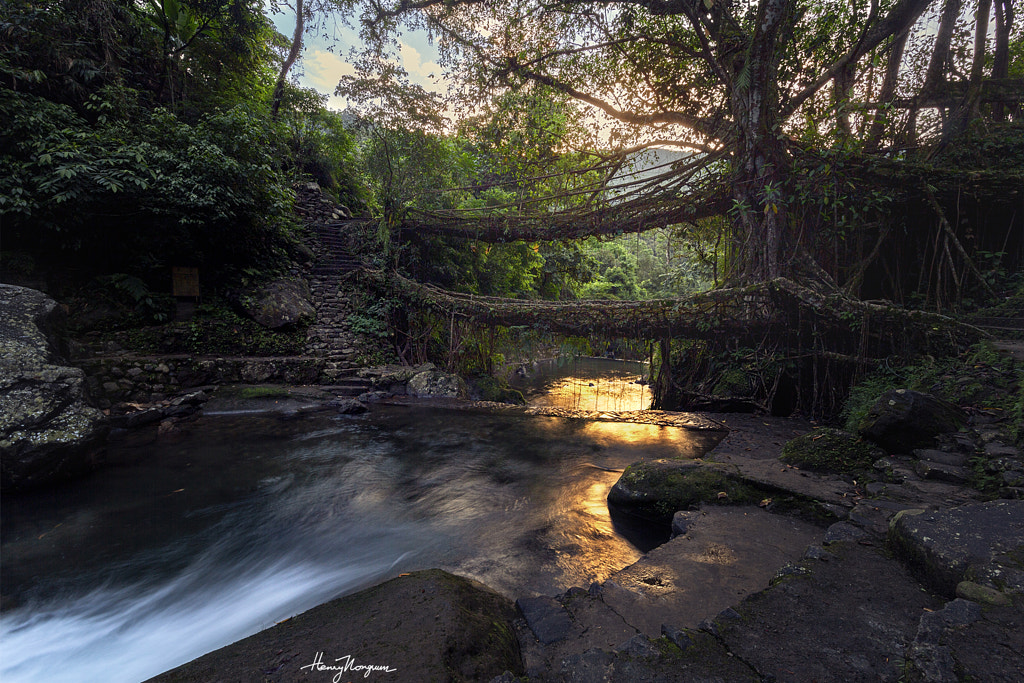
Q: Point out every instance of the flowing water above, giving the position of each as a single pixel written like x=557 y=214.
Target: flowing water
x=586 y=383
x=189 y=544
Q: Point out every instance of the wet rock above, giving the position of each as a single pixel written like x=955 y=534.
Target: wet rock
x=48 y=431
x=942 y=457
x=843 y=531
x=927 y=469
x=638 y=646
x=676 y=636
x=592 y=666
x=657 y=489
x=349 y=406
x=436 y=384
x=683 y=520
x=975 y=592
x=902 y=420
x=959 y=612
x=934 y=663
x=944 y=545
x=996 y=449
x=816 y=552
x=546 y=617
x=138 y=418
x=280 y=303
x=428 y=625
x=392 y=375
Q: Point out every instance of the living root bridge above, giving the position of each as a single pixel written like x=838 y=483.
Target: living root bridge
x=634 y=215
x=781 y=309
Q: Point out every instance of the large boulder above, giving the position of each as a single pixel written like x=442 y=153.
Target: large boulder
x=436 y=384
x=47 y=430
x=423 y=626
x=280 y=303
x=657 y=489
x=902 y=420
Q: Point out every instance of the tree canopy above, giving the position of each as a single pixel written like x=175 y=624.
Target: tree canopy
x=762 y=93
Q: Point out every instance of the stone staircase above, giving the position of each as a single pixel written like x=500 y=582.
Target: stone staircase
x=330 y=336
x=334 y=258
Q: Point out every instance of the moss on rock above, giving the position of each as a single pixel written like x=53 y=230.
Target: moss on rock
x=830 y=450
x=657 y=489
x=490 y=388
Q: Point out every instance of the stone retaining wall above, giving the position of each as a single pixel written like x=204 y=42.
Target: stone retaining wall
x=146 y=379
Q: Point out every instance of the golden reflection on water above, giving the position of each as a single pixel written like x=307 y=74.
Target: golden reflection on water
x=581 y=532
x=576 y=393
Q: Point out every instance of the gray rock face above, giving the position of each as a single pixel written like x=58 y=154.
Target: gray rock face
x=546 y=618
x=280 y=303
x=979 y=541
x=434 y=383
x=902 y=420
x=424 y=626
x=47 y=431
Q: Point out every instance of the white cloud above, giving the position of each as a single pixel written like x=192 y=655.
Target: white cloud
x=423 y=72
x=322 y=70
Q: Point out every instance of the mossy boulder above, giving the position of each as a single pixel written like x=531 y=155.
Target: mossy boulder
x=280 y=303
x=902 y=420
x=436 y=384
x=657 y=489
x=830 y=450
x=48 y=431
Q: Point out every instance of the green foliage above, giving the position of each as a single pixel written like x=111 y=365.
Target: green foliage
x=320 y=147
x=980 y=378
x=215 y=330
x=147 y=304
x=373 y=320
x=139 y=181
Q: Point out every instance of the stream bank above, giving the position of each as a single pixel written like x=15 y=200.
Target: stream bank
x=841 y=608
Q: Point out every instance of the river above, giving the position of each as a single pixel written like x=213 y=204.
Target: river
x=190 y=543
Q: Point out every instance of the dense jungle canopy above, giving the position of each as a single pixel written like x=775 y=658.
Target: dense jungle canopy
x=640 y=149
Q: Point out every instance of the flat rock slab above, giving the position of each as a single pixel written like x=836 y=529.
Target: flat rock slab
x=751 y=451
x=546 y=618
x=943 y=545
x=847 y=619
x=729 y=553
x=425 y=626
x=990 y=649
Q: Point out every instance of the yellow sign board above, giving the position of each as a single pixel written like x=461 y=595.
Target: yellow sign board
x=185 y=281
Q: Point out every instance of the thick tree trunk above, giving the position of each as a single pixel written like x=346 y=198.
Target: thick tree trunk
x=968 y=109
x=888 y=91
x=293 y=54
x=937 y=64
x=1001 y=57
x=759 y=213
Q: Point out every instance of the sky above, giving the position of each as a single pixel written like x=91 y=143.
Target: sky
x=324 y=62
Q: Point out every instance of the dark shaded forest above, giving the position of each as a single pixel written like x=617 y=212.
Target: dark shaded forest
x=808 y=188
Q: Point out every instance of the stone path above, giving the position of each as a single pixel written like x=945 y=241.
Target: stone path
x=808 y=603
x=330 y=337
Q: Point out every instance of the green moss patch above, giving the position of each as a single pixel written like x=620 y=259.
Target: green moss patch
x=492 y=389
x=830 y=450
x=657 y=489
